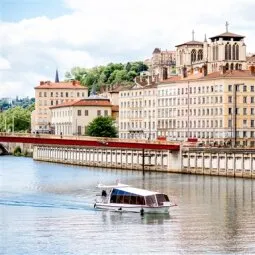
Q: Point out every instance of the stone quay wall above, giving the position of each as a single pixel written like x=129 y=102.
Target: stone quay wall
x=133 y=159
x=219 y=161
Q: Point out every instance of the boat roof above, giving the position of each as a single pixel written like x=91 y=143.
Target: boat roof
x=141 y=192
x=119 y=185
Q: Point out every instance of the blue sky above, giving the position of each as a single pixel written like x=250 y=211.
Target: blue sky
x=16 y=10
x=38 y=36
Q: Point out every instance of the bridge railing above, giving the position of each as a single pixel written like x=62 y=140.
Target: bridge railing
x=89 y=138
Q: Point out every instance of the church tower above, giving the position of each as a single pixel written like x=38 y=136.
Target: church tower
x=227 y=50
x=189 y=57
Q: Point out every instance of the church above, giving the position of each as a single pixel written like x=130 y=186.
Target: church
x=224 y=51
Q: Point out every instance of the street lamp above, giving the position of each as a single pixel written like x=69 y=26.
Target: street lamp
x=12 y=124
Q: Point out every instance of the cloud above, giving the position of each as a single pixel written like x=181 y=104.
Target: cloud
x=4 y=64
x=97 y=32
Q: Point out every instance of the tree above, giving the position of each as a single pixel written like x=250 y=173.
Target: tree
x=106 y=75
x=102 y=127
x=20 y=117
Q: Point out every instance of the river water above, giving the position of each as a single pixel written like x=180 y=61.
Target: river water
x=47 y=208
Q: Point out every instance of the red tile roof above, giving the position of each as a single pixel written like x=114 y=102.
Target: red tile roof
x=60 y=85
x=84 y=102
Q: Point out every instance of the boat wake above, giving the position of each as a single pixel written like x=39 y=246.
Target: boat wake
x=42 y=202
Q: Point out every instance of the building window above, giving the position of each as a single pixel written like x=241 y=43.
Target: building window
x=51 y=94
x=252 y=123
x=40 y=94
x=252 y=88
x=229 y=88
x=245 y=100
x=78 y=94
x=252 y=100
x=61 y=94
x=86 y=112
x=66 y=94
x=79 y=112
x=230 y=99
x=98 y=112
x=51 y=102
x=200 y=55
x=244 y=88
x=106 y=113
x=244 y=111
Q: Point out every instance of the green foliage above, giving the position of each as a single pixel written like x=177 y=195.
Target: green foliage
x=102 y=127
x=106 y=75
x=17 y=151
x=19 y=116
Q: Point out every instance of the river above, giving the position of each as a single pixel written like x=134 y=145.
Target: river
x=47 y=208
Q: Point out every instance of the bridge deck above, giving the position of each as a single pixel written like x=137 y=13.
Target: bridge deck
x=87 y=141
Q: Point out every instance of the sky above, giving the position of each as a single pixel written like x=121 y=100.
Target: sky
x=38 y=36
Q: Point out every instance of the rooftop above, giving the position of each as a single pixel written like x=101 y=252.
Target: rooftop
x=215 y=75
x=190 y=43
x=251 y=59
x=227 y=35
x=84 y=102
x=60 y=85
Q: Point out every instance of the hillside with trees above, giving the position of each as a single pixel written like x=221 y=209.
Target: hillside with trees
x=107 y=75
x=18 y=116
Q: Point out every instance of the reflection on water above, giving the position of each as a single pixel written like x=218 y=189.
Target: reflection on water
x=48 y=209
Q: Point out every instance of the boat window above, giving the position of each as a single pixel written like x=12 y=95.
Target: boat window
x=140 y=200
x=133 y=200
x=123 y=197
x=161 y=198
x=150 y=200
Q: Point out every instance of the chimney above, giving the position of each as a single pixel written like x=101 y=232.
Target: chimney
x=150 y=79
x=48 y=82
x=222 y=70
x=184 y=72
x=204 y=70
x=41 y=83
x=73 y=82
x=252 y=70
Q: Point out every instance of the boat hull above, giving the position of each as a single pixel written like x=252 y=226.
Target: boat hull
x=132 y=208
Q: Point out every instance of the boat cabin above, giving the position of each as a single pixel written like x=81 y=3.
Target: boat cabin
x=134 y=196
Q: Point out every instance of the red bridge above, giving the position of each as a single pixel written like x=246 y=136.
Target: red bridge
x=87 y=141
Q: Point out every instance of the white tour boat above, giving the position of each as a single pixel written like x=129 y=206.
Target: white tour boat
x=124 y=198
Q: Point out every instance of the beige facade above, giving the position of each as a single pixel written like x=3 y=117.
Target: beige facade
x=137 y=115
x=49 y=94
x=73 y=117
x=219 y=107
x=216 y=108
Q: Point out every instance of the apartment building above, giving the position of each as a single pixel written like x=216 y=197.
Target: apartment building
x=219 y=108
x=49 y=94
x=73 y=117
x=137 y=114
